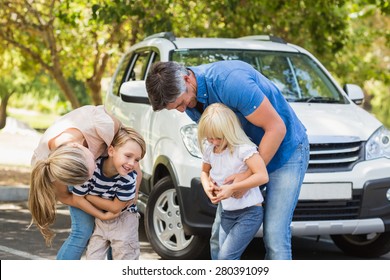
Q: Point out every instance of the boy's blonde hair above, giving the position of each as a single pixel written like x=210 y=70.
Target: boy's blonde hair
x=219 y=121
x=125 y=134
x=67 y=165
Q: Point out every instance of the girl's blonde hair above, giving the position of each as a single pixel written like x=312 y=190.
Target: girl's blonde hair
x=125 y=134
x=219 y=121
x=67 y=165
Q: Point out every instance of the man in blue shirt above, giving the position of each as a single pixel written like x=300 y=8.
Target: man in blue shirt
x=266 y=118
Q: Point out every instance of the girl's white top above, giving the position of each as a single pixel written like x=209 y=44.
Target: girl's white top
x=225 y=164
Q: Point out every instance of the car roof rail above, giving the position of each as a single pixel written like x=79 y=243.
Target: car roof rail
x=271 y=38
x=166 y=35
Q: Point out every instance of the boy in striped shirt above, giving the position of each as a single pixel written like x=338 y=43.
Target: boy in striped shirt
x=114 y=179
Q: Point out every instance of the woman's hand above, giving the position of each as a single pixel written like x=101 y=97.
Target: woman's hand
x=109 y=216
x=130 y=202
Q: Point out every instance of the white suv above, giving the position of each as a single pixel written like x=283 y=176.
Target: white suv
x=346 y=191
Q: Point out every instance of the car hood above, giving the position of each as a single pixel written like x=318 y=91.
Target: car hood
x=334 y=123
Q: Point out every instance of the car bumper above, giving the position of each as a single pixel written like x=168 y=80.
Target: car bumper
x=368 y=213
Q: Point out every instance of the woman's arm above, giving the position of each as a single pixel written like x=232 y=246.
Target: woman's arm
x=258 y=177
x=115 y=206
x=62 y=193
x=66 y=197
x=83 y=204
x=138 y=183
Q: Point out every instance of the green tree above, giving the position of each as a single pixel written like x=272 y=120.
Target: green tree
x=12 y=80
x=78 y=40
x=365 y=59
x=68 y=39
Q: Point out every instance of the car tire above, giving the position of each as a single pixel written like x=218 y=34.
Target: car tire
x=363 y=245
x=164 y=228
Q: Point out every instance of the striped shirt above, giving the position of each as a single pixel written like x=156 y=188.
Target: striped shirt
x=122 y=187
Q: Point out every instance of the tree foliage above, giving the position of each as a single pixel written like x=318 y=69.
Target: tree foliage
x=78 y=40
x=68 y=39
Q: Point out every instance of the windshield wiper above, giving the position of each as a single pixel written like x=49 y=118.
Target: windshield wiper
x=315 y=99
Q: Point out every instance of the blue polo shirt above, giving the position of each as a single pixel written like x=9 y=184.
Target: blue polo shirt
x=242 y=88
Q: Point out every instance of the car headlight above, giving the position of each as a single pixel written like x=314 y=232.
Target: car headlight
x=379 y=144
x=189 y=135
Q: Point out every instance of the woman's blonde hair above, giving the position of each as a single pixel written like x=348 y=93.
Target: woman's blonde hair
x=125 y=134
x=219 y=121
x=67 y=165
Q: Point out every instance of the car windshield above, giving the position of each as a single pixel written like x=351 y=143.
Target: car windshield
x=297 y=76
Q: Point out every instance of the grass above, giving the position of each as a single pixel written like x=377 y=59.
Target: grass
x=37 y=120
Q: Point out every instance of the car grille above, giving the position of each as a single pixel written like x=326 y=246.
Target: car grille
x=329 y=209
x=335 y=157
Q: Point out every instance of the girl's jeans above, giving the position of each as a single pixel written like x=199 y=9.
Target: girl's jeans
x=81 y=230
x=237 y=230
x=282 y=192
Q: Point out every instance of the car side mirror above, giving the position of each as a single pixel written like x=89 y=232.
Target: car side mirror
x=355 y=93
x=134 y=92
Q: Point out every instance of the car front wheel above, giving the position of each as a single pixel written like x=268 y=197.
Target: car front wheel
x=164 y=227
x=363 y=245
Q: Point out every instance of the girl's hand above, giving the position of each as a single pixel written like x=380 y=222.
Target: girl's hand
x=210 y=189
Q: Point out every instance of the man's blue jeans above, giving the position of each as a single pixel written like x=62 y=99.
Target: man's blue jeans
x=81 y=230
x=282 y=192
x=237 y=230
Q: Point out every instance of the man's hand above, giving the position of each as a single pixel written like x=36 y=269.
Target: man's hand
x=238 y=177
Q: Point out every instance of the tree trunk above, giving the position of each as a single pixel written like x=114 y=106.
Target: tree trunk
x=95 y=86
x=3 y=110
x=66 y=88
x=94 y=83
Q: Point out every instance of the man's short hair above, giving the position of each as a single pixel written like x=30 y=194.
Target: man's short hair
x=165 y=83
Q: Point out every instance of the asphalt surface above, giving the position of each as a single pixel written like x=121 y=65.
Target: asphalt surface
x=17 y=143
x=19 y=242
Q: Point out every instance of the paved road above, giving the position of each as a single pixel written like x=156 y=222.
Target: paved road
x=19 y=243
x=17 y=143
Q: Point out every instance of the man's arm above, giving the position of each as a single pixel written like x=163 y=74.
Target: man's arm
x=259 y=176
x=266 y=117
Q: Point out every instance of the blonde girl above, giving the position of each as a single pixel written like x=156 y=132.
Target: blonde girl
x=227 y=150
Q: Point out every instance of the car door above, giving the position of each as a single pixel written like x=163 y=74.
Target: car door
x=131 y=72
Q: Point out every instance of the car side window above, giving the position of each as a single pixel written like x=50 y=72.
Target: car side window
x=133 y=67
x=138 y=71
x=142 y=65
x=120 y=73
